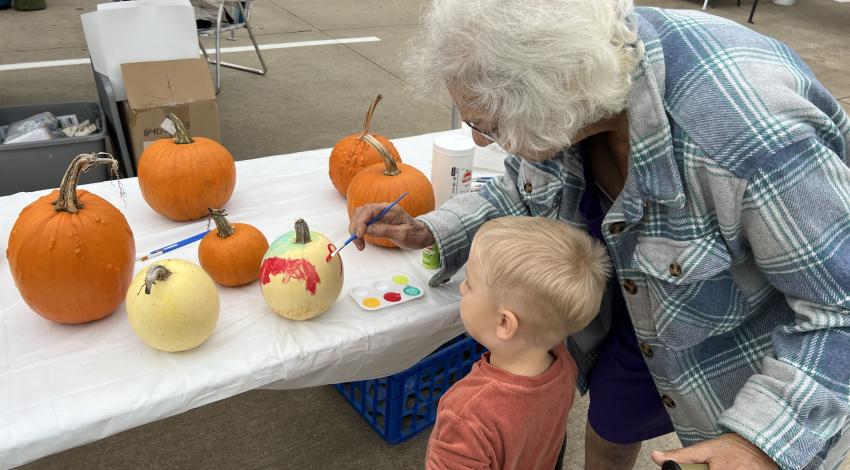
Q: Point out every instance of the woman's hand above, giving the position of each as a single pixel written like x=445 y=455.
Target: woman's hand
x=397 y=225
x=726 y=452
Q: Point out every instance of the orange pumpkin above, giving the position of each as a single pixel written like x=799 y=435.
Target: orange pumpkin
x=384 y=182
x=352 y=153
x=231 y=254
x=180 y=178
x=71 y=253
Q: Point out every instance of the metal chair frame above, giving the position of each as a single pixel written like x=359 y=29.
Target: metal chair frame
x=244 y=21
x=752 y=11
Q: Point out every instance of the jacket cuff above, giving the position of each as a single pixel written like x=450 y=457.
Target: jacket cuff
x=452 y=242
x=762 y=417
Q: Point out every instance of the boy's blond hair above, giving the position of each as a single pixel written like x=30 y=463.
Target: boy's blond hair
x=552 y=275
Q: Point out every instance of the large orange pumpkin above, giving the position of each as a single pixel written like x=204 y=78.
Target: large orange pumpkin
x=384 y=182
x=71 y=252
x=352 y=153
x=180 y=178
x=231 y=254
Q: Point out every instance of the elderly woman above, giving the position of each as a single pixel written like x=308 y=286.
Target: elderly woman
x=713 y=165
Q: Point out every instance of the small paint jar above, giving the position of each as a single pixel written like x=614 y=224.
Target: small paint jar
x=431 y=257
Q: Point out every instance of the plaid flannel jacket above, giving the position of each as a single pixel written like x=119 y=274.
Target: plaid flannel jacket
x=734 y=226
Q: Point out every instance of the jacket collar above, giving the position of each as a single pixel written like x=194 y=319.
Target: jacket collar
x=652 y=165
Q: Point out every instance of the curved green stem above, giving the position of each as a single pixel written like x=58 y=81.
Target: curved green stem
x=302 y=232
x=390 y=166
x=182 y=135
x=68 y=200
x=223 y=226
x=368 y=120
x=157 y=272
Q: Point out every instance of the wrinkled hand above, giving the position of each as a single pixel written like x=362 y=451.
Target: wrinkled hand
x=397 y=225
x=727 y=452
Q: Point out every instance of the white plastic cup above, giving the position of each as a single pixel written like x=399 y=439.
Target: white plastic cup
x=451 y=166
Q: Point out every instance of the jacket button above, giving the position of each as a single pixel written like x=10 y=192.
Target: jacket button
x=675 y=270
x=630 y=286
x=528 y=188
x=617 y=227
x=646 y=350
x=668 y=402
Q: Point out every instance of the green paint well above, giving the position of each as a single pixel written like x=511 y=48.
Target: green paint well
x=411 y=291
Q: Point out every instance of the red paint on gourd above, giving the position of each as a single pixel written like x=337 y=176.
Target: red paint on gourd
x=298 y=269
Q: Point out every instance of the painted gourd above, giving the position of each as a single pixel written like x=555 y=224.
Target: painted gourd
x=298 y=277
x=71 y=253
x=173 y=305
x=231 y=253
x=352 y=153
x=182 y=177
x=384 y=182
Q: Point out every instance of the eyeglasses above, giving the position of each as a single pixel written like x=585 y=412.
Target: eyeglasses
x=486 y=135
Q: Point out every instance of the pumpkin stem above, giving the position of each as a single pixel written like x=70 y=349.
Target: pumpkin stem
x=391 y=168
x=302 y=232
x=225 y=229
x=182 y=135
x=68 y=200
x=155 y=273
x=368 y=121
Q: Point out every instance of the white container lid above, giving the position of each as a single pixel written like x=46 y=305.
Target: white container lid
x=454 y=144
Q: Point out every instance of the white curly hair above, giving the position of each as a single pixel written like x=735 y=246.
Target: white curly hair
x=537 y=71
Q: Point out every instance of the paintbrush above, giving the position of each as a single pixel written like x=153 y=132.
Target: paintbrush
x=172 y=246
x=374 y=219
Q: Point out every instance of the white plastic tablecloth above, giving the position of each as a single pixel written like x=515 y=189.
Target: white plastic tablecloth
x=66 y=385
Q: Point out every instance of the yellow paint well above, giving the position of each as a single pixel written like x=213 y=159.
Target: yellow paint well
x=371 y=302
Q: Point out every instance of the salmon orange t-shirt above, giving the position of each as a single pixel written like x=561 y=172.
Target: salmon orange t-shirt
x=492 y=419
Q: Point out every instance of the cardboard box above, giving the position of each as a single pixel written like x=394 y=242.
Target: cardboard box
x=154 y=89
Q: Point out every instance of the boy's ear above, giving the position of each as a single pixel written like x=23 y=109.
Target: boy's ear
x=508 y=324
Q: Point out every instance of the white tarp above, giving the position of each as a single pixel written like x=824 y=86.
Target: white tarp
x=62 y=386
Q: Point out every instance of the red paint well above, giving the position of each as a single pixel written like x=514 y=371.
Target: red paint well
x=298 y=269
x=392 y=296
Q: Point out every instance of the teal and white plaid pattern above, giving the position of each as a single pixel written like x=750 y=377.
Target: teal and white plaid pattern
x=737 y=233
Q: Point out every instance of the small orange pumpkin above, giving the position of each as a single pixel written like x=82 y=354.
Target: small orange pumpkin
x=231 y=254
x=71 y=253
x=180 y=178
x=352 y=153
x=384 y=182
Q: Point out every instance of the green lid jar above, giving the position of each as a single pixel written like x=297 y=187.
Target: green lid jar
x=431 y=257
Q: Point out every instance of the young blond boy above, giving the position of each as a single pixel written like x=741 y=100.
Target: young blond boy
x=530 y=282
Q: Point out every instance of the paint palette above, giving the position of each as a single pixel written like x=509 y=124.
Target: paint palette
x=396 y=289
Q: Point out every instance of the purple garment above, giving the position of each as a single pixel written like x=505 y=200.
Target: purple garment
x=625 y=405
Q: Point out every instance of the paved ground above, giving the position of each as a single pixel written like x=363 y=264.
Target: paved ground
x=310 y=98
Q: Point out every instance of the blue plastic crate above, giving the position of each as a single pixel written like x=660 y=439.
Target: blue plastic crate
x=401 y=405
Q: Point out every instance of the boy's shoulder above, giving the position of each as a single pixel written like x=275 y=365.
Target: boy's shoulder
x=462 y=397
x=476 y=394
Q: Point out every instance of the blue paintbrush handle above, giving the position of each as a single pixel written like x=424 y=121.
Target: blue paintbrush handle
x=375 y=219
x=181 y=243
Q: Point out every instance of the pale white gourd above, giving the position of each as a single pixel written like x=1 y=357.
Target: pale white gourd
x=298 y=277
x=173 y=305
